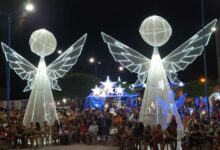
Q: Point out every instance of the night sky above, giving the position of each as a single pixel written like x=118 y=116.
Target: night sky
x=70 y=19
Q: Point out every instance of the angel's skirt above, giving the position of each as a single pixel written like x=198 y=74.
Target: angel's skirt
x=158 y=104
x=41 y=106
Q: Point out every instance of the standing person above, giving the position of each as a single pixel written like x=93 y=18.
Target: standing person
x=126 y=135
x=38 y=134
x=147 y=137
x=46 y=132
x=170 y=137
x=157 y=136
x=173 y=125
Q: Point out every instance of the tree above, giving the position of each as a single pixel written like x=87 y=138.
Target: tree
x=76 y=85
x=197 y=88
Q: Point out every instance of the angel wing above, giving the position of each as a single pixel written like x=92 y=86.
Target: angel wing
x=20 y=65
x=128 y=58
x=186 y=53
x=59 y=67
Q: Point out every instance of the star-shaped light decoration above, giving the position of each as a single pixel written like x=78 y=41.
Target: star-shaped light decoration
x=108 y=86
x=96 y=91
x=161 y=84
x=119 y=90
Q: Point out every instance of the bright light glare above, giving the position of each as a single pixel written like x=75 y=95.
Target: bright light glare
x=64 y=100
x=91 y=60
x=59 y=51
x=202 y=80
x=120 y=68
x=181 y=84
x=214 y=29
x=29 y=7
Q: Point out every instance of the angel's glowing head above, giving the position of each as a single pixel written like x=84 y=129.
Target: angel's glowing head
x=155 y=30
x=42 y=42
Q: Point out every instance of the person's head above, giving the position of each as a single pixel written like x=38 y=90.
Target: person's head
x=148 y=128
x=37 y=125
x=158 y=127
x=31 y=124
x=1 y=127
x=45 y=123
x=196 y=127
x=129 y=125
x=93 y=122
x=217 y=132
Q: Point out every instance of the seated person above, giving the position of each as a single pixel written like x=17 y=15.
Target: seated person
x=46 y=132
x=92 y=132
x=216 y=141
x=20 y=135
x=2 y=137
x=82 y=130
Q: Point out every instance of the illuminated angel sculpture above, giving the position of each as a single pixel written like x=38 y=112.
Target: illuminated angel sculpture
x=40 y=80
x=158 y=103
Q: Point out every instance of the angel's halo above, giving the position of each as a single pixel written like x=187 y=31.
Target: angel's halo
x=42 y=42
x=155 y=30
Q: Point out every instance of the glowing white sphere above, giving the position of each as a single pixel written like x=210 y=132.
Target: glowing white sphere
x=42 y=42
x=155 y=30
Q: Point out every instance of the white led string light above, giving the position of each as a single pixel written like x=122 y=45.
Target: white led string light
x=155 y=73
x=40 y=80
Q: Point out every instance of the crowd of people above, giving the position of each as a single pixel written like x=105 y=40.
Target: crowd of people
x=94 y=126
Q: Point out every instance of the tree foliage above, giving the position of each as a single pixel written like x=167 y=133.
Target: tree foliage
x=197 y=88
x=76 y=85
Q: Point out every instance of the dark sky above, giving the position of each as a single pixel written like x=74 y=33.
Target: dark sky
x=70 y=19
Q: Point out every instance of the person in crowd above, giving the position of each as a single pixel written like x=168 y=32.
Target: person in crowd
x=38 y=134
x=138 y=132
x=157 y=134
x=20 y=136
x=216 y=140
x=170 y=137
x=195 y=136
x=147 y=137
x=2 y=137
x=203 y=132
x=30 y=133
x=82 y=130
x=173 y=125
x=10 y=131
x=46 y=132
x=92 y=133
x=126 y=135
x=56 y=132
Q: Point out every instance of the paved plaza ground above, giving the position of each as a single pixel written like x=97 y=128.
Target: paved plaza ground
x=77 y=147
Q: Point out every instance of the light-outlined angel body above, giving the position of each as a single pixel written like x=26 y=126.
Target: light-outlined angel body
x=42 y=79
x=158 y=102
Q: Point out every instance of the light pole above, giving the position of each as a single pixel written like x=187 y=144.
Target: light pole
x=121 y=69
x=29 y=7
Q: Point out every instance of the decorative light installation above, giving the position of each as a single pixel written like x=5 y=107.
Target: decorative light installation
x=40 y=80
x=96 y=91
x=108 y=86
x=119 y=90
x=158 y=103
